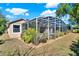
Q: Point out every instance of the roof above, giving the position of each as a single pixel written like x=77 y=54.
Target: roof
x=15 y=21
x=40 y=18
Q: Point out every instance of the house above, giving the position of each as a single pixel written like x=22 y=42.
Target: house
x=15 y=28
x=44 y=25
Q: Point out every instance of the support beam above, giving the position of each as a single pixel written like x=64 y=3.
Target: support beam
x=48 y=28
x=36 y=39
x=36 y=26
x=55 y=28
x=59 y=26
x=62 y=26
x=27 y=24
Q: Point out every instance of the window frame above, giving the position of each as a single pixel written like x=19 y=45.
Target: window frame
x=14 y=31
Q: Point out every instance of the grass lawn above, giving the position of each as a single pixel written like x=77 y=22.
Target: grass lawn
x=57 y=47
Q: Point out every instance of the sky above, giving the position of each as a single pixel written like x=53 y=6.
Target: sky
x=14 y=11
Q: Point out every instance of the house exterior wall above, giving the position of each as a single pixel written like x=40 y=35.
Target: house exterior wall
x=15 y=34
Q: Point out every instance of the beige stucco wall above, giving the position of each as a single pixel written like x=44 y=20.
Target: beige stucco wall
x=15 y=34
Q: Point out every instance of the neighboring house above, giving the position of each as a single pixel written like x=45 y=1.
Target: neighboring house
x=16 y=28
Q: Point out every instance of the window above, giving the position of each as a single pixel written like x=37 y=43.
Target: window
x=16 y=28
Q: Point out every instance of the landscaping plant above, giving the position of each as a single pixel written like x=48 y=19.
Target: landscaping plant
x=2 y=41
x=75 y=47
x=2 y=24
x=29 y=35
x=76 y=29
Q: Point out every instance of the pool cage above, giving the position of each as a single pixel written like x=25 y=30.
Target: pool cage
x=47 y=27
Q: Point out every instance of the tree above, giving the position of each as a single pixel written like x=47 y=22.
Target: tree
x=72 y=9
x=3 y=22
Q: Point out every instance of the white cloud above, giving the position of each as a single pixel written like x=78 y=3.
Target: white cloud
x=48 y=13
x=8 y=16
x=17 y=11
x=51 y=5
x=0 y=7
x=27 y=14
x=7 y=9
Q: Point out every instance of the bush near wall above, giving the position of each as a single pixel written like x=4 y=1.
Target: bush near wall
x=28 y=35
x=76 y=30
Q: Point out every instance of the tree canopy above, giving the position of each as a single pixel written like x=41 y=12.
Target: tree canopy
x=72 y=9
x=3 y=22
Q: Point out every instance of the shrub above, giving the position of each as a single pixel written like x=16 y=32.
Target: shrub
x=75 y=47
x=61 y=33
x=76 y=30
x=29 y=34
x=2 y=41
x=64 y=33
x=3 y=22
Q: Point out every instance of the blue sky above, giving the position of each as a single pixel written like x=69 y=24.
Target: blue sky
x=14 y=11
